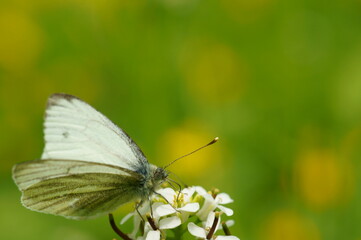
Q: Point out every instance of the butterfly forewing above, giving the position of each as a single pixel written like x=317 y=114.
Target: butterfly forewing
x=76 y=131
x=29 y=173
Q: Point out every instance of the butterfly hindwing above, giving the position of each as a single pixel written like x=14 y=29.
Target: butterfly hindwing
x=78 y=191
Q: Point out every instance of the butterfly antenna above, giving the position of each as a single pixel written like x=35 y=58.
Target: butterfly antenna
x=208 y=144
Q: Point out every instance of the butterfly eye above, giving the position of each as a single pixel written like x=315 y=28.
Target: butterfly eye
x=160 y=174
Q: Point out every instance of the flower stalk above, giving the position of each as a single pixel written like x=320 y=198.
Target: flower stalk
x=116 y=229
x=226 y=229
x=214 y=226
x=152 y=223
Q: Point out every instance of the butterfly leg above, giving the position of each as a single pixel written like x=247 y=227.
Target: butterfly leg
x=150 y=207
x=138 y=205
x=170 y=181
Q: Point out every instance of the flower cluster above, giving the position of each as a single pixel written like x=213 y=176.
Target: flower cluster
x=192 y=211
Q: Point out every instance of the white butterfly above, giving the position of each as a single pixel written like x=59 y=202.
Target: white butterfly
x=89 y=166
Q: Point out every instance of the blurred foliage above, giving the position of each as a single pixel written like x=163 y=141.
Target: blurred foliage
x=278 y=81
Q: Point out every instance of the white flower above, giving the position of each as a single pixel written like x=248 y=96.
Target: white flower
x=171 y=208
x=143 y=210
x=210 y=203
x=180 y=203
x=164 y=223
x=200 y=232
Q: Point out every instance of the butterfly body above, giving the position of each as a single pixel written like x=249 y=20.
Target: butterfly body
x=89 y=166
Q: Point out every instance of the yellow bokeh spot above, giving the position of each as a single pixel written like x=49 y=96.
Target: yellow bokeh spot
x=20 y=42
x=321 y=178
x=286 y=224
x=182 y=140
x=214 y=73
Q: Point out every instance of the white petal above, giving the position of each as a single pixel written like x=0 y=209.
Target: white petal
x=147 y=227
x=155 y=206
x=223 y=198
x=136 y=224
x=190 y=207
x=227 y=211
x=200 y=190
x=164 y=210
x=184 y=216
x=167 y=193
x=169 y=223
x=188 y=192
x=126 y=218
x=210 y=219
x=227 y=238
x=196 y=230
x=230 y=223
x=143 y=209
x=208 y=206
x=153 y=235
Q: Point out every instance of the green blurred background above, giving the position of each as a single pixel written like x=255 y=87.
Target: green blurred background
x=278 y=81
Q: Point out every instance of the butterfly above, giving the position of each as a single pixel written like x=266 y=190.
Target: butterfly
x=89 y=166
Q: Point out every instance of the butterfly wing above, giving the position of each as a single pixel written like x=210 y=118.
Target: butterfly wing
x=75 y=189
x=75 y=130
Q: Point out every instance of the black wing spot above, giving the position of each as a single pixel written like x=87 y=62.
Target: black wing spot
x=65 y=134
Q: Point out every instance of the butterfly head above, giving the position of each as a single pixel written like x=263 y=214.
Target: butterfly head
x=159 y=176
